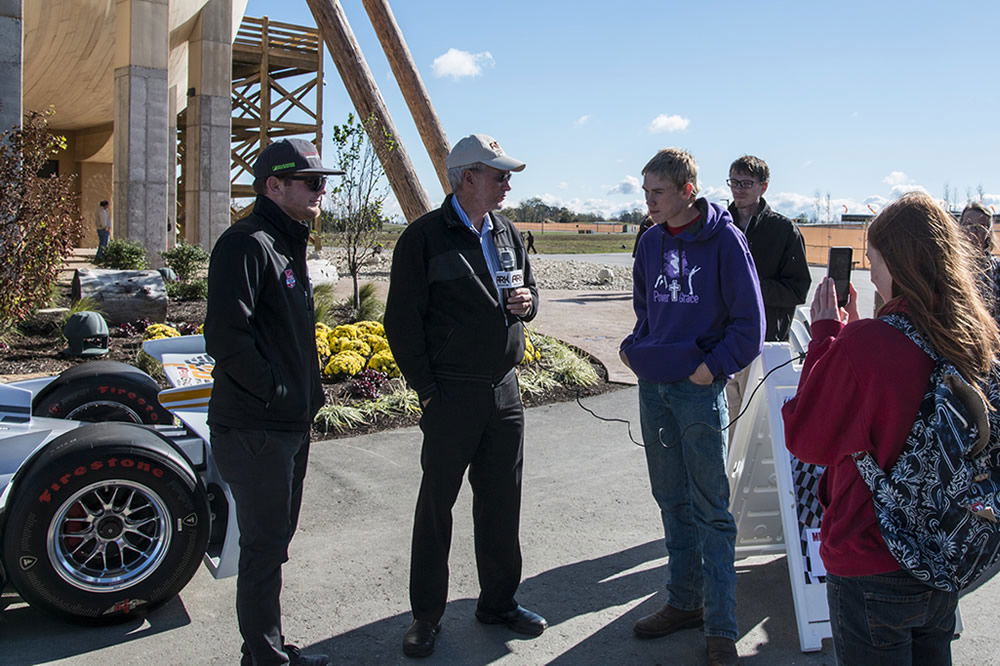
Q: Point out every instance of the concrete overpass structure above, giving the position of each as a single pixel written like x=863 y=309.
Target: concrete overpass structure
x=117 y=72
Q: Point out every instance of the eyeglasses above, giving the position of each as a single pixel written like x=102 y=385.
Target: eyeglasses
x=740 y=184
x=502 y=177
x=313 y=183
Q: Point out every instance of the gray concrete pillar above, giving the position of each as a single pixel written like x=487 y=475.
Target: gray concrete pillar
x=208 y=150
x=11 y=47
x=172 y=176
x=143 y=152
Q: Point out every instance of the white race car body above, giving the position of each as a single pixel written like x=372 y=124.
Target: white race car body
x=25 y=442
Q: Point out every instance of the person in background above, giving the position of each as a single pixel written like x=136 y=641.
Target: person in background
x=977 y=224
x=260 y=330
x=779 y=255
x=699 y=319
x=103 y=223
x=457 y=332
x=860 y=389
x=531 y=242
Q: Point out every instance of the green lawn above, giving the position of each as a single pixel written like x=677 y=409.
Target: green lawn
x=563 y=242
x=550 y=242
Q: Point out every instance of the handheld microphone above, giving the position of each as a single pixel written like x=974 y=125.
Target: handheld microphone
x=508 y=277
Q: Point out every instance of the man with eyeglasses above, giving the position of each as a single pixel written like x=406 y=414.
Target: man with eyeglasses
x=778 y=253
x=459 y=291
x=260 y=330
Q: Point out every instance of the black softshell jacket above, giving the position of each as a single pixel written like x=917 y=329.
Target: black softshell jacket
x=780 y=257
x=443 y=317
x=260 y=327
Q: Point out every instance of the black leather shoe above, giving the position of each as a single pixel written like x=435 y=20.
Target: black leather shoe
x=418 y=641
x=521 y=620
x=296 y=658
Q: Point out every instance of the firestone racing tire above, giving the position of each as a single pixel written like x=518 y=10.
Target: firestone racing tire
x=102 y=391
x=110 y=521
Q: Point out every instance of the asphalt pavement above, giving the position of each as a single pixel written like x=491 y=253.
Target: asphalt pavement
x=593 y=557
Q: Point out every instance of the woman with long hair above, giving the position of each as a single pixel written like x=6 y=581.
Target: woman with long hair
x=860 y=389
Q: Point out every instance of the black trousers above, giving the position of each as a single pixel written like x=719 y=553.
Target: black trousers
x=479 y=427
x=264 y=470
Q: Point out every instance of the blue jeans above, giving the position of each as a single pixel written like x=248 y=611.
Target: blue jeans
x=688 y=478
x=890 y=619
x=102 y=240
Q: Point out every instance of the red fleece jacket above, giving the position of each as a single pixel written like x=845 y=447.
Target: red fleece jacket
x=860 y=390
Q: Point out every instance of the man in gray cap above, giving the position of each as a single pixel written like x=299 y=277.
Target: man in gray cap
x=459 y=290
x=260 y=329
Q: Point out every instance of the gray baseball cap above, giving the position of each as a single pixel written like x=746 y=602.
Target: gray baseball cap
x=481 y=149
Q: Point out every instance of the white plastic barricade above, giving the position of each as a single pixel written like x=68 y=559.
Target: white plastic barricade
x=773 y=494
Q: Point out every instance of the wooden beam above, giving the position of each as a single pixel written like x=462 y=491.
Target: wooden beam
x=360 y=84
x=412 y=86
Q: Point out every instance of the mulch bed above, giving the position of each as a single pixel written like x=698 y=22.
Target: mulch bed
x=36 y=350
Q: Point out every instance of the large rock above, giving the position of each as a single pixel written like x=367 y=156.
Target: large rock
x=123 y=296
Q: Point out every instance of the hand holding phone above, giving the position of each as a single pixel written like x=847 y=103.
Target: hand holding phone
x=839 y=265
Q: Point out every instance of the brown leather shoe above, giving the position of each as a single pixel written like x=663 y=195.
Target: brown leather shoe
x=667 y=620
x=721 y=651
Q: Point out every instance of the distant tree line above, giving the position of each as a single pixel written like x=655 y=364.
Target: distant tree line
x=536 y=210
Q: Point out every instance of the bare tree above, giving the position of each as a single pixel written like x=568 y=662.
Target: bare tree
x=358 y=197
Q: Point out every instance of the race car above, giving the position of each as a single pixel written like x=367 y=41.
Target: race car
x=109 y=494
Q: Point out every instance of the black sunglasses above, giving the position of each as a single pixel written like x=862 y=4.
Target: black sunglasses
x=313 y=183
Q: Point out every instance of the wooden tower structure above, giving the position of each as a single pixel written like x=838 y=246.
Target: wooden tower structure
x=277 y=91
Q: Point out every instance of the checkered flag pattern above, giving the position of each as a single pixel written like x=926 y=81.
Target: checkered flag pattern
x=805 y=478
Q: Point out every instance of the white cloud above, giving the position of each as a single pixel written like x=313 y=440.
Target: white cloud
x=896 y=178
x=899 y=190
x=603 y=207
x=629 y=185
x=665 y=123
x=582 y=120
x=459 y=64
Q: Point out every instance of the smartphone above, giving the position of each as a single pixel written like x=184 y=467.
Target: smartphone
x=839 y=268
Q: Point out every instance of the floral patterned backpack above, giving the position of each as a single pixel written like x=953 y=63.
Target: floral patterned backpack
x=938 y=507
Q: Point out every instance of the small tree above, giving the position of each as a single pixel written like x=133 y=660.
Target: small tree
x=39 y=218
x=358 y=195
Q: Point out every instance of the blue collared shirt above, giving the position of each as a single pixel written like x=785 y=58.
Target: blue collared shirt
x=485 y=238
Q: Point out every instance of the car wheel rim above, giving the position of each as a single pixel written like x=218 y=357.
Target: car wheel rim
x=100 y=411
x=109 y=536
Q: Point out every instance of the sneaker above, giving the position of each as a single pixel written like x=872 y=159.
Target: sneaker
x=721 y=651
x=667 y=620
x=296 y=658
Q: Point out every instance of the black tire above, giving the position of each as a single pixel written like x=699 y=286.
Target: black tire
x=110 y=521
x=102 y=391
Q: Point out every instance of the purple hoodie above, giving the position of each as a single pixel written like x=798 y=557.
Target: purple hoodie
x=696 y=298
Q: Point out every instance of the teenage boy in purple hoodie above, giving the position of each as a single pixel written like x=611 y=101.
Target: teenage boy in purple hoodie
x=698 y=320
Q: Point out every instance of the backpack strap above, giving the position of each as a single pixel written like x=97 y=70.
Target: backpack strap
x=945 y=372
x=904 y=325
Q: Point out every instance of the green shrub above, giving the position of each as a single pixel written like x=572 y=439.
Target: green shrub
x=196 y=290
x=39 y=218
x=123 y=255
x=370 y=307
x=324 y=306
x=186 y=260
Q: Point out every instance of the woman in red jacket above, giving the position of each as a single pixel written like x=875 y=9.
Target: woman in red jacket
x=860 y=390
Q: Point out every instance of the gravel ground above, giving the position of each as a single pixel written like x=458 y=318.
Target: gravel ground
x=549 y=273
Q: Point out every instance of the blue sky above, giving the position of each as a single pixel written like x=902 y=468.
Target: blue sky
x=861 y=100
